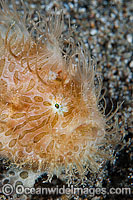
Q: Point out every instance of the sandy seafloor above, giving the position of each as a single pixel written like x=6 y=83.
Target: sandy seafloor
x=106 y=26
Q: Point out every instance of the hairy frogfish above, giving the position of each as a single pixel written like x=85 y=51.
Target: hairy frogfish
x=51 y=120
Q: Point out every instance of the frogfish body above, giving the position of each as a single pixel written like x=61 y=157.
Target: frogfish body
x=49 y=115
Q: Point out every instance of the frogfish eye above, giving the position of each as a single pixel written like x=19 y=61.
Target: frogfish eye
x=57 y=105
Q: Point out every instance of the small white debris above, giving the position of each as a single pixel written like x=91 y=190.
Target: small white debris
x=93 y=32
x=131 y=64
x=129 y=38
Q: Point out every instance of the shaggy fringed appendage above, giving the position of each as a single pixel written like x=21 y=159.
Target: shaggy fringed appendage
x=49 y=115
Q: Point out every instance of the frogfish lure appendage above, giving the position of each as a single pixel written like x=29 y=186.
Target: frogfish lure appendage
x=50 y=117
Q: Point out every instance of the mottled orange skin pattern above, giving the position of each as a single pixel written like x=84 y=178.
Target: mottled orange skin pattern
x=48 y=107
x=47 y=122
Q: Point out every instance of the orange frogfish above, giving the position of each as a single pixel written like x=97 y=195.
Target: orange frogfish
x=50 y=117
